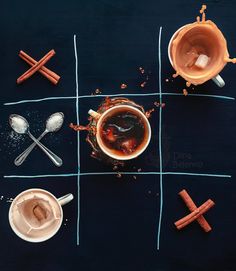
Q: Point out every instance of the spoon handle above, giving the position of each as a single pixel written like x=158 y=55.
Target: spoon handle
x=55 y=159
x=21 y=157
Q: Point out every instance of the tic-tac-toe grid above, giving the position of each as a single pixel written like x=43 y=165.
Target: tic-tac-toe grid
x=159 y=94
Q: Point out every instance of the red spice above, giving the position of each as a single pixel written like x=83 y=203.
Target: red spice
x=142 y=85
x=98 y=91
x=163 y=105
x=118 y=175
x=80 y=127
x=188 y=84
x=129 y=145
x=110 y=134
x=123 y=86
x=149 y=112
x=185 y=92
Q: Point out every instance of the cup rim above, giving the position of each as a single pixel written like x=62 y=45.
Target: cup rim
x=135 y=154
x=171 y=40
x=21 y=235
x=170 y=57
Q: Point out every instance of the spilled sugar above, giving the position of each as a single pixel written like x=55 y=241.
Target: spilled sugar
x=6 y=199
x=11 y=141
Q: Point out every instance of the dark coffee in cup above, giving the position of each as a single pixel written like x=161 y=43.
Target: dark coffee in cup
x=123 y=132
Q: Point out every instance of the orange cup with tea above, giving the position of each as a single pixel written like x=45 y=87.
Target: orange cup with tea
x=123 y=132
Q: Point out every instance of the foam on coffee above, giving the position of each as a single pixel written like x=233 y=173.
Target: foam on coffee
x=35 y=214
x=199 y=51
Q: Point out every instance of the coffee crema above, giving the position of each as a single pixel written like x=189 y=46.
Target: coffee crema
x=199 y=51
x=35 y=215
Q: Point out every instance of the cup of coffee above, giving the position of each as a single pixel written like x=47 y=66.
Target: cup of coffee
x=36 y=215
x=123 y=132
x=198 y=52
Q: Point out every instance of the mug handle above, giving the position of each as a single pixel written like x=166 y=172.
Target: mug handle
x=94 y=114
x=218 y=80
x=65 y=199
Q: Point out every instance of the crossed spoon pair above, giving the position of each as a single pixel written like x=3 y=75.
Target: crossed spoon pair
x=21 y=126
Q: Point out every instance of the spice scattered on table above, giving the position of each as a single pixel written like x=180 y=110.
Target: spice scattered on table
x=185 y=92
x=142 y=85
x=123 y=86
x=141 y=69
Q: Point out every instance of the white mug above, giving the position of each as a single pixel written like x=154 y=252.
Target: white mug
x=218 y=80
x=21 y=226
x=101 y=117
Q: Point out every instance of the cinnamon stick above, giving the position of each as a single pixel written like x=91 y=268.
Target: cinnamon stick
x=191 y=206
x=36 y=67
x=54 y=81
x=32 y=62
x=194 y=215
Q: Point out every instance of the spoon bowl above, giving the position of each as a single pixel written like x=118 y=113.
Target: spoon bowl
x=19 y=124
x=54 y=122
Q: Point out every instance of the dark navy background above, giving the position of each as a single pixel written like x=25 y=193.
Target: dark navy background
x=119 y=216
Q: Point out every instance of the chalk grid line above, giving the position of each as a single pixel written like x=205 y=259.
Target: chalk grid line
x=160 y=141
x=115 y=173
x=78 y=136
x=160 y=173
x=118 y=95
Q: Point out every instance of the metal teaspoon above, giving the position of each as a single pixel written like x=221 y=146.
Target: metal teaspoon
x=20 y=125
x=53 y=124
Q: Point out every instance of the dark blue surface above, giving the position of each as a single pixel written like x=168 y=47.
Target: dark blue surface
x=119 y=217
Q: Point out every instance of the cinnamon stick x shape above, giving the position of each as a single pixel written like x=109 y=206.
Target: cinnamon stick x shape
x=196 y=213
x=38 y=66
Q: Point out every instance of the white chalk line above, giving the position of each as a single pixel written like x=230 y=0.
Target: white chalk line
x=160 y=141
x=78 y=138
x=115 y=173
x=119 y=95
x=198 y=174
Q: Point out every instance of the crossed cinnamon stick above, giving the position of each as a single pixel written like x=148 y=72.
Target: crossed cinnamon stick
x=196 y=213
x=38 y=66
